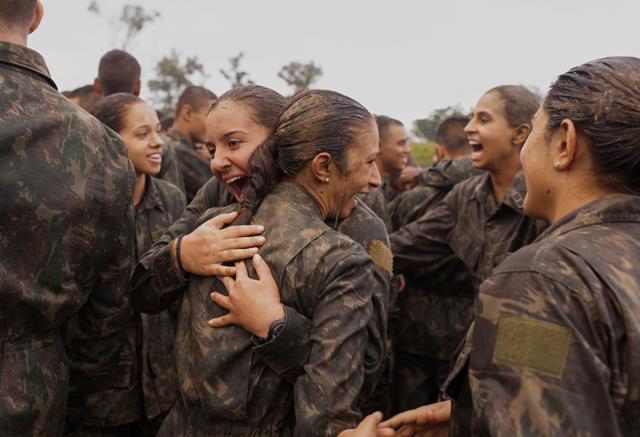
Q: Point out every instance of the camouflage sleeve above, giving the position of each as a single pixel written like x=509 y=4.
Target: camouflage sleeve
x=327 y=393
x=424 y=244
x=170 y=170
x=195 y=171
x=540 y=361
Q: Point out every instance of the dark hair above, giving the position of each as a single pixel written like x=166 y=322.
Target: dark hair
x=194 y=96
x=118 y=72
x=17 y=11
x=384 y=123
x=87 y=97
x=112 y=110
x=520 y=104
x=313 y=122
x=264 y=104
x=450 y=133
x=602 y=98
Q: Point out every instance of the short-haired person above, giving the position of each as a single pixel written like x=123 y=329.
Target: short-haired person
x=118 y=72
x=187 y=131
x=65 y=224
x=85 y=97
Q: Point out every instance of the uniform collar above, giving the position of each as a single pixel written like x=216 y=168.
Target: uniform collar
x=608 y=209
x=176 y=135
x=23 y=58
x=513 y=197
x=151 y=198
x=297 y=197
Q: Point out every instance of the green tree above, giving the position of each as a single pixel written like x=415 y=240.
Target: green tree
x=235 y=75
x=300 y=76
x=426 y=127
x=132 y=20
x=172 y=76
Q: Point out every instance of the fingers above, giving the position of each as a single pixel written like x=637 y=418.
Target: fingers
x=242 y=242
x=262 y=268
x=241 y=270
x=399 y=419
x=227 y=282
x=370 y=423
x=217 y=270
x=242 y=231
x=220 y=220
x=221 y=300
x=236 y=254
x=219 y=322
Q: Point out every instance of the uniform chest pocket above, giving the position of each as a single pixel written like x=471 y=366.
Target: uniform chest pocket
x=466 y=242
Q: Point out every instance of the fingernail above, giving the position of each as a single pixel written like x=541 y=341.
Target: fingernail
x=261 y=239
x=257 y=257
x=254 y=250
x=260 y=228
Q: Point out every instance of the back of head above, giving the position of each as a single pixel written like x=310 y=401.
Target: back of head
x=86 y=97
x=196 y=97
x=450 y=135
x=112 y=110
x=602 y=98
x=313 y=122
x=118 y=72
x=384 y=123
x=17 y=13
x=520 y=104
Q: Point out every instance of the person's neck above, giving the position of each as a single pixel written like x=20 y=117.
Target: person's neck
x=384 y=173
x=181 y=127
x=13 y=37
x=502 y=179
x=575 y=197
x=314 y=191
x=138 y=191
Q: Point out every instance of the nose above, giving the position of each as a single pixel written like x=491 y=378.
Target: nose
x=156 y=140
x=375 y=180
x=470 y=127
x=219 y=161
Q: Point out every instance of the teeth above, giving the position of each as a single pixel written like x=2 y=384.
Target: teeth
x=474 y=143
x=232 y=180
x=155 y=155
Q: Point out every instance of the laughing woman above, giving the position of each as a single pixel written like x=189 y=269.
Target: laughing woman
x=319 y=156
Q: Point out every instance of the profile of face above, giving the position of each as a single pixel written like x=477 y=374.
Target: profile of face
x=360 y=175
x=141 y=134
x=232 y=136
x=201 y=150
x=489 y=133
x=537 y=166
x=394 y=148
x=198 y=122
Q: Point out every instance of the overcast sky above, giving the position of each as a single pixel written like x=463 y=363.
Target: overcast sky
x=402 y=58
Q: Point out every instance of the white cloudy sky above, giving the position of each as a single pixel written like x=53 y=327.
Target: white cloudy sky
x=402 y=58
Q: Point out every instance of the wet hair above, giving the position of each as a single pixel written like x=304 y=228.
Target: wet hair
x=520 y=104
x=118 y=72
x=112 y=110
x=264 y=104
x=602 y=98
x=313 y=122
x=87 y=97
x=194 y=96
x=450 y=134
x=384 y=123
x=18 y=12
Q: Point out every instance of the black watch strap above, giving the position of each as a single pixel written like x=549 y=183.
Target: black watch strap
x=274 y=329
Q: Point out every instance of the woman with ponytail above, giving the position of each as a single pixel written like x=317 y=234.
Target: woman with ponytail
x=319 y=156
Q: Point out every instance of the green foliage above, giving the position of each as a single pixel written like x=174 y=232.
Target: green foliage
x=235 y=75
x=423 y=152
x=172 y=76
x=134 y=19
x=300 y=76
x=426 y=127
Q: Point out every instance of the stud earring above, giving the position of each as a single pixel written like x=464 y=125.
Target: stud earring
x=556 y=164
x=326 y=179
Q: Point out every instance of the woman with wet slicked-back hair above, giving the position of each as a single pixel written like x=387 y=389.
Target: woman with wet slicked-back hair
x=556 y=344
x=319 y=156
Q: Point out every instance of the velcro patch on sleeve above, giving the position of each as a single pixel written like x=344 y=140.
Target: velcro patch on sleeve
x=381 y=256
x=532 y=344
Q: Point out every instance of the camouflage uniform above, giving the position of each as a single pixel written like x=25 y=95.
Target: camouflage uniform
x=556 y=346
x=148 y=353
x=193 y=167
x=170 y=168
x=433 y=319
x=378 y=201
x=66 y=225
x=325 y=277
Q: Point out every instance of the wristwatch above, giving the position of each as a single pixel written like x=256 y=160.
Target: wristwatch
x=274 y=329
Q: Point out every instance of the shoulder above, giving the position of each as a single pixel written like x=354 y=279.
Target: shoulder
x=169 y=191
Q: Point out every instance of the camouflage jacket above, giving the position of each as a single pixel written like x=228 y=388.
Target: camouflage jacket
x=468 y=225
x=156 y=271
x=378 y=201
x=556 y=346
x=66 y=226
x=194 y=169
x=148 y=353
x=433 y=318
x=170 y=168
x=321 y=274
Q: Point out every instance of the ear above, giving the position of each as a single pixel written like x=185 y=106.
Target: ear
x=98 y=87
x=321 y=167
x=186 y=112
x=520 y=134
x=37 y=17
x=567 y=144
x=136 y=88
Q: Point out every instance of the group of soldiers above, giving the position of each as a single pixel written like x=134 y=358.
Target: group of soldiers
x=81 y=213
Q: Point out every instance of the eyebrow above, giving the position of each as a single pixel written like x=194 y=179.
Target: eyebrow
x=233 y=132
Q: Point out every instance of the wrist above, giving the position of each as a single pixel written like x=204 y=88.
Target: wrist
x=278 y=315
